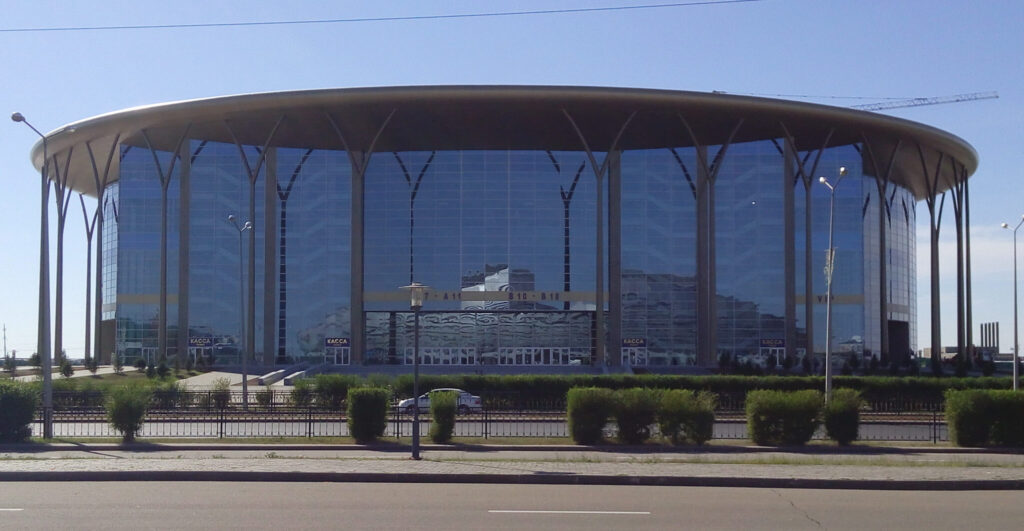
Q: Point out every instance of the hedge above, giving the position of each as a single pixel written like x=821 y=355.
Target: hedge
x=687 y=416
x=635 y=411
x=587 y=412
x=367 y=412
x=18 y=402
x=776 y=418
x=841 y=416
x=553 y=388
x=985 y=417
x=442 y=414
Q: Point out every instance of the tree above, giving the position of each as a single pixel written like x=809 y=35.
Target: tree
x=34 y=360
x=10 y=365
x=118 y=363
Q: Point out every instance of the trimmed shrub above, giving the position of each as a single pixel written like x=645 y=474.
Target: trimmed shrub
x=367 y=412
x=265 y=397
x=140 y=364
x=776 y=418
x=221 y=394
x=635 y=411
x=841 y=415
x=66 y=370
x=18 y=404
x=1008 y=418
x=169 y=396
x=331 y=389
x=982 y=417
x=302 y=393
x=162 y=370
x=687 y=416
x=442 y=412
x=126 y=408
x=587 y=412
x=968 y=415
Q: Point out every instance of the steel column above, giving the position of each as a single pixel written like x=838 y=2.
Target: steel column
x=184 y=250
x=615 y=255
x=789 y=238
x=359 y=160
x=270 y=246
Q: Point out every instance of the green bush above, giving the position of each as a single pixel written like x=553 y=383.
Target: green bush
x=140 y=364
x=442 y=412
x=367 y=412
x=18 y=402
x=126 y=408
x=331 y=389
x=162 y=370
x=842 y=415
x=1008 y=418
x=777 y=418
x=265 y=397
x=302 y=393
x=982 y=417
x=221 y=393
x=66 y=370
x=587 y=411
x=170 y=395
x=684 y=415
x=635 y=411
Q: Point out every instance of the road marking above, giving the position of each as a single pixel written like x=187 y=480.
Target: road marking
x=2 y=509
x=640 y=513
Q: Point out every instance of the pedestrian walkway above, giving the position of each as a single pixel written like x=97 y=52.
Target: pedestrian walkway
x=860 y=467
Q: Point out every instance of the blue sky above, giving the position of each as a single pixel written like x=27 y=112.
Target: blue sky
x=865 y=48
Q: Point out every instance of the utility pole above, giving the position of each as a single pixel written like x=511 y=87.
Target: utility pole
x=5 y=341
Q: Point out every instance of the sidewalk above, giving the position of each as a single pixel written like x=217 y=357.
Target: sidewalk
x=859 y=467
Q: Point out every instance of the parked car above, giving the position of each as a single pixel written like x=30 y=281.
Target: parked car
x=465 y=402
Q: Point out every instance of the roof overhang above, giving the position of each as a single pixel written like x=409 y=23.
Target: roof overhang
x=503 y=117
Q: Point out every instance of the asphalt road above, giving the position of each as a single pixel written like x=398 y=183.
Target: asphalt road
x=155 y=505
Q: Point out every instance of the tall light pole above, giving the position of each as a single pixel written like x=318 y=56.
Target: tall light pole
x=241 y=306
x=416 y=291
x=43 y=328
x=1016 y=343
x=830 y=257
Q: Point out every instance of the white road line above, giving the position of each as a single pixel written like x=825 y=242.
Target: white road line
x=640 y=513
x=2 y=509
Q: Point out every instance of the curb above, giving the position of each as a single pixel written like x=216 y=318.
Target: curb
x=516 y=479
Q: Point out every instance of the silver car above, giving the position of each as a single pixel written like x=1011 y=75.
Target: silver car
x=465 y=402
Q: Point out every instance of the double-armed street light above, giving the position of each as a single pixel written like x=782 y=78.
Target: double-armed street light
x=416 y=291
x=1016 y=342
x=830 y=256
x=43 y=330
x=241 y=305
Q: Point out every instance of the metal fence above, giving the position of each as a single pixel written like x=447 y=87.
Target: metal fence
x=222 y=414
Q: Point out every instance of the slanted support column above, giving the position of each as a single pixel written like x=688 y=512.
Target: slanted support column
x=967 y=263
x=359 y=160
x=788 y=182
x=600 y=170
x=252 y=173
x=615 y=255
x=100 y=180
x=270 y=246
x=935 y=214
x=165 y=181
x=957 y=189
x=707 y=307
x=62 y=194
x=883 y=175
x=806 y=175
x=184 y=252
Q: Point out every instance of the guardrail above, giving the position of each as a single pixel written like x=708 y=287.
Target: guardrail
x=272 y=414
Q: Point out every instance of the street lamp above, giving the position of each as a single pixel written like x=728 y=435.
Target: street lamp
x=830 y=256
x=43 y=328
x=241 y=305
x=416 y=291
x=1016 y=343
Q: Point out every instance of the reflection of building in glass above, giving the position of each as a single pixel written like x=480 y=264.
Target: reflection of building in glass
x=555 y=226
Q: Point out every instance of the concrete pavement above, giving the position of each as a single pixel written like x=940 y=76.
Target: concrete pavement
x=858 y=467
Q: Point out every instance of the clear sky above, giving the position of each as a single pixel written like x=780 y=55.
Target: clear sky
x=866 y=48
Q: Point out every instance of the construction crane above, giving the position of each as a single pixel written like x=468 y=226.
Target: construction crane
x=915 y=102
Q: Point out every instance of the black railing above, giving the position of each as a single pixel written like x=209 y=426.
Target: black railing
x=272 y=414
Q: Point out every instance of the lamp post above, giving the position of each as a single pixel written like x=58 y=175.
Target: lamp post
x=1016 y=343
x=416 y=291
x=830 y=256
x=241 y=305
x=43 y=328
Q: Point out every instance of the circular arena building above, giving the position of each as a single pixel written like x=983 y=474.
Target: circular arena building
x=554 y=226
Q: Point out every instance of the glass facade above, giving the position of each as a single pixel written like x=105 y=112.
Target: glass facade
x=507 y=242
